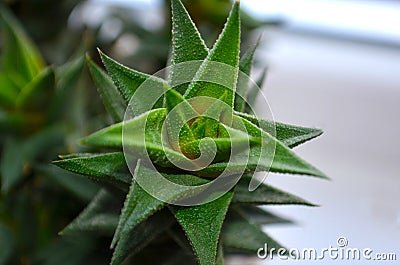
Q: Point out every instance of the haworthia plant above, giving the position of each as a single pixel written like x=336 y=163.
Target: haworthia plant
x=232 y=220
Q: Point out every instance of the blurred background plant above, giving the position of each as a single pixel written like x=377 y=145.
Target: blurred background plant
x=39 y=116
x=47 y=102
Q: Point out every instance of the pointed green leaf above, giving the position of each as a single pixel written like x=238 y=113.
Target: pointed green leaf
x=284 y=160
x=187 y=44
x=111 y=97
x=289 y=135
x=100 y=216
x=38 y=91
x=245 y=65
x=109 y=167
x=21 y=58
x=128 y=80
x=240 y=234
x=202 y=225
x=225 y=51
x=135 y=143
x=264 y=194
x=141 y=235
x=139 y=206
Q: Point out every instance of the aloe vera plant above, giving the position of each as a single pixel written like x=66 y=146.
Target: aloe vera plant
x=182 y=154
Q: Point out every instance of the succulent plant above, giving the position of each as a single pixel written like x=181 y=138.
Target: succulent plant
x=178 y=165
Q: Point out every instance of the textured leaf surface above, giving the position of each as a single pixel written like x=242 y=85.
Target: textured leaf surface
x=139 y=145
x=284 y=161
x=128 y=80
x=289 y=135
x=226 y=51
x=111 y=97
x=106 y=167
x=187 y=44
x=264 y=194
x=204 y=238
x=139 y=206
x=240 y=234
x=141 y=235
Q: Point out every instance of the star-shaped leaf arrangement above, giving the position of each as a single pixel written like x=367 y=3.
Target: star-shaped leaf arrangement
x=195 y=131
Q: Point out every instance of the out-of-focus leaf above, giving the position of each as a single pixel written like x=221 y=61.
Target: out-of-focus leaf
x=104 y=168
x=20 y=56
x=66 y=250
x=100 y=216
x=220 y=255
x=289 y=135
x=8 y=91
x=6 y=244
x=259 y=216
x=204 y=238
x=254 y=91
x=264 y=194
x=17 y=155
x=225 y=51
x=239 y=233
x=37 y=93
x=245 y=64
x=67 y=76
x=110 y=95
x=78 y=185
